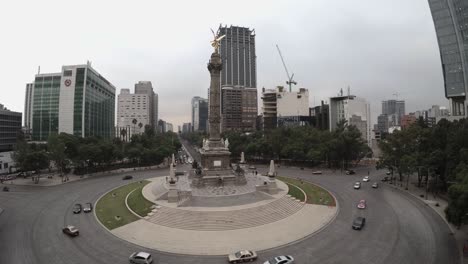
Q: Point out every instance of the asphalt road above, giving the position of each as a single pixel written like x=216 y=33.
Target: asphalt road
x=399 y=229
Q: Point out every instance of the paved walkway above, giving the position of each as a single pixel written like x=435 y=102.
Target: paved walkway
x=308 y=220
x=461 y=235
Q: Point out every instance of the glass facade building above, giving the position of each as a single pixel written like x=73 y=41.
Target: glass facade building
x=10 y=126
x=451 y=25
x=76 y=101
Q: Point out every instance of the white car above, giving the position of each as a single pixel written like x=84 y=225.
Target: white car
x=280 y=260
x=366 y=179
x=242 y=256
x=140 y=258
x=357 y=185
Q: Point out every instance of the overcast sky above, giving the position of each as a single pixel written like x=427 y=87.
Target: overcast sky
x=377 y=47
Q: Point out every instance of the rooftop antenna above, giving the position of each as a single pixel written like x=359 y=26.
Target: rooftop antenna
x=290 y=80
x=396 y=95
x=341 y=92
x=349 y=90
x=39 y=69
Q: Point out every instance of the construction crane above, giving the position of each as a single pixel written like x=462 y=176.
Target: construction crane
x=290 y=80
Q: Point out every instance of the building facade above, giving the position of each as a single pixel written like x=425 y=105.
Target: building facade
x=394 y=110
x=76 y=101
x=354 y=110
x=320 y=116
x=28 y=105
x=284 y=108
x=134 y=112
x=238 y=56
x=10 y=126
x=146 y=87
x=450 y=20
x=239 y=108
x=199 y=114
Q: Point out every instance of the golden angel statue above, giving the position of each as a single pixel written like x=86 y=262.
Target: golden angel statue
x=216 y=41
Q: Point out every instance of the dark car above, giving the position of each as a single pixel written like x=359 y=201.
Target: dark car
x=385 y=179
x=127 y=177
x=77 y=209
x=359 y=223
x=6 y=189
x=88 y=208
x=350 y=172
x=71 y=230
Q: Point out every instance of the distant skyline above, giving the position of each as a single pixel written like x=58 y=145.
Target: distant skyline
x=377 y=47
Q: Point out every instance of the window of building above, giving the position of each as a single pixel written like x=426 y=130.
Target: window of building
x=68 y=73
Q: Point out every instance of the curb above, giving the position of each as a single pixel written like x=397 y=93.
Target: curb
x=128 y=207
x=305 y=195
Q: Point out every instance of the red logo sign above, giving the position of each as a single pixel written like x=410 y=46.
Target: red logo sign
x=67 y=82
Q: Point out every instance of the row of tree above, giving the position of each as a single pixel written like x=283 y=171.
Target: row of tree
x=65 y=152
x=438 y=155
x=297 y=144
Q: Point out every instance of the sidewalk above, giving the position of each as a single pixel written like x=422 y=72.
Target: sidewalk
x=460 y=235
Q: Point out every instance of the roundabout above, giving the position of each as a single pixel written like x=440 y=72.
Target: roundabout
x=399 y=228
x=218 y=224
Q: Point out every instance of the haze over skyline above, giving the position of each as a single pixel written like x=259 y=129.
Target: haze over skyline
x=378 y=47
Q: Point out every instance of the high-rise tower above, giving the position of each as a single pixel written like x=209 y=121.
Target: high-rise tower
x=238 y=78
x=450 y=20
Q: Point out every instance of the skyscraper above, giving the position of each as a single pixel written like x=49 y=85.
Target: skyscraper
x=394 y=110
x=78 y=101
x=238 y=55
x=145 y=87
x=199 y=113
x=134 y=112
x=28 y=105
x=239 y=107
x=450 y=20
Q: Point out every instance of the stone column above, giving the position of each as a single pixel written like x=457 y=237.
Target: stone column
x=215 y=66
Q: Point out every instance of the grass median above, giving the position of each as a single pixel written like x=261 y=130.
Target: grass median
x=296 y=192
x=111 y=209
x=315 y=194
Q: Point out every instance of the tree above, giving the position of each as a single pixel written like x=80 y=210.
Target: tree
x=57 y=148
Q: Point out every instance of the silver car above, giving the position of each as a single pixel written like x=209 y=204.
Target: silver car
x=140 y=258
x=280 y=260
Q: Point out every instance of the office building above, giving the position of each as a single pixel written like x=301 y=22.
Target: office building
x=239 y=58
x=354 y=110
x=320 y=116
x=10 y=126
x=239 y=107
x=394 y=110
x=382 y=123
x=199 y=114
x=145 y=87
x=408 y=120
x=28 y=105
x=284 y=108
x=162 y=126
x=450 y=21
x=134 y=112
x=77 y=100
x=186 y=127
x=169 y=127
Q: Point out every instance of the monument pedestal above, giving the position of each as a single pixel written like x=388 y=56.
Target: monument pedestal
x=173 y=194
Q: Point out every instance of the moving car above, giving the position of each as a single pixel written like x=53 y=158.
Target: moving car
x=388 y=172
x=357 y=185
x=362 y=204
x=77 y=209
x=366 y=179
x=350 y=172
x=317 y=172
x=375 y=185
x=242 y=256
x=359 y=223
x=385 y=179
x=88 y=208
x=140 y=258
x=127 y=177
x=6 y=189
x=71 y=231
x=280 y=260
